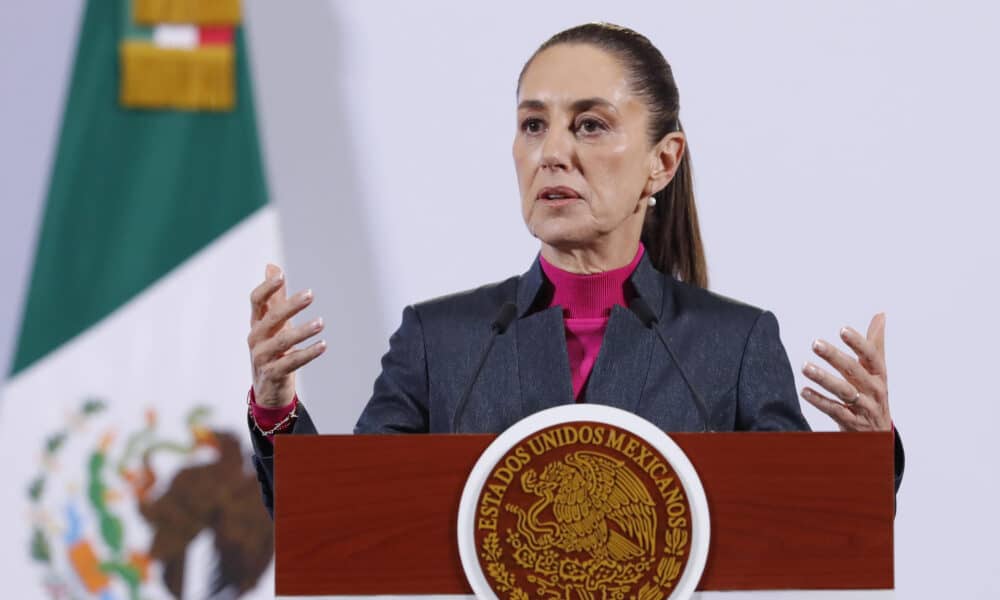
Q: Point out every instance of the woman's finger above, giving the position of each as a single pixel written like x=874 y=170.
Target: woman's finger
x=869 y=356
x=835 y=385
x=273 y=270
x=833 y=409
x=295 y=359
x=271 y=348
x=876 y=333
x=846 y=365
x=261 y=294
x=277 y=316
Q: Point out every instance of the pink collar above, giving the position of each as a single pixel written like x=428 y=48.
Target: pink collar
x=589 y=296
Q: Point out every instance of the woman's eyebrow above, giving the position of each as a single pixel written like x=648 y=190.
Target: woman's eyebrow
x=586 y=104
x=580 y=105
x=531 y=105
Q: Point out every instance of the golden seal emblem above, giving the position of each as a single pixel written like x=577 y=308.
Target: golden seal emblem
x=583 y=509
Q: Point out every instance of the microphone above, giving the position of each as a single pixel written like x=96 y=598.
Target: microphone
x=639 y=307
x=505 y=316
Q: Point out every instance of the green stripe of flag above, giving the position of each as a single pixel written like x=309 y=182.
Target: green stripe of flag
x=130 y=28
x=133 y=193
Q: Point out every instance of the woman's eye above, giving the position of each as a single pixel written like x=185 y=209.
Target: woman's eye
x=590 y=126
x=532 y=126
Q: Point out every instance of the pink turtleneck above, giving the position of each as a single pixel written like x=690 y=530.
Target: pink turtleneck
x=586 y=301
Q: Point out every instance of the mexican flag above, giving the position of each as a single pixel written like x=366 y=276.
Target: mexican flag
x=123 y=427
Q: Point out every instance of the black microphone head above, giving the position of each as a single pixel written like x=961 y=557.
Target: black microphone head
x=642 y=310
x=506 y=316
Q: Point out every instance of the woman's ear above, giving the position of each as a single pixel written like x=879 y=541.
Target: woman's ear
x=664 y=161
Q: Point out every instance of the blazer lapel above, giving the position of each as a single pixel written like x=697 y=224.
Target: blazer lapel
x=619 y=373
x=650 y=284
x=542 y=359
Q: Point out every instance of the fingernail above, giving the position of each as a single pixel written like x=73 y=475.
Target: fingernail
x=819 y=346
x=307 y=294
x=844 y=332
x=317 y=323
x=807 y=367
x=322 y=344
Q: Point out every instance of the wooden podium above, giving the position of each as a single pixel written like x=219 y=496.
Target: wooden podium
x=363 y=515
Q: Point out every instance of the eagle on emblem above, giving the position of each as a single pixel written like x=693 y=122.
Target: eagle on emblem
x=599 y=507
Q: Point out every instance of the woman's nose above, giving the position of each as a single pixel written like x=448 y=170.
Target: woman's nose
x=557 y=150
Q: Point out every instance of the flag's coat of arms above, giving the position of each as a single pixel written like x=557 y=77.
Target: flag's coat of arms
x=179 y=54
x=188 y=490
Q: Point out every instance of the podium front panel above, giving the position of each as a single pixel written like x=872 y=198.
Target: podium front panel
x=365 y=515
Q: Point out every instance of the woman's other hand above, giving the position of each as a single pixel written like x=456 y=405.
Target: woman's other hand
x=860 y=399
x=273 y=338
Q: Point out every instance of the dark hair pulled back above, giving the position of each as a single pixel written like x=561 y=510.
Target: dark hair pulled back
x=670 y=231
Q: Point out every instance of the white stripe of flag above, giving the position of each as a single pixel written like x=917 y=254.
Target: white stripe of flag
x=176 y=36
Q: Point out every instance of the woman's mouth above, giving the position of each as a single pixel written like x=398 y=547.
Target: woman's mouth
x=558 y=196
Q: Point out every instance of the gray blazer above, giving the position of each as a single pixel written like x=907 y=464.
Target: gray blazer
x=731 y=353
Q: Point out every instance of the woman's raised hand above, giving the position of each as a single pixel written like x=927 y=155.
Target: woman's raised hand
x=861 y=398
x=273 y=338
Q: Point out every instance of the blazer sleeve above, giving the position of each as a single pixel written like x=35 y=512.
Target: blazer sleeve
x=263 y=453
x=765 y=389
x=766 y=396
x=400 y=398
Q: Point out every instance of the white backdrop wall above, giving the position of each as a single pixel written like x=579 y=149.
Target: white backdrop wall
x=844 y=157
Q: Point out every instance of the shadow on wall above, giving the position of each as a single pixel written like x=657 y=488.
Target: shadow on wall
x=296 y=55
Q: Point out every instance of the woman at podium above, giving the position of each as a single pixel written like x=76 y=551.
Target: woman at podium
x=615 y=308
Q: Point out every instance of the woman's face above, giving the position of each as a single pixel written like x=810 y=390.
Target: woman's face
x=584 y=163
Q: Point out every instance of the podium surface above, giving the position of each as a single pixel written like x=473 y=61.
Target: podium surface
x=376 y=515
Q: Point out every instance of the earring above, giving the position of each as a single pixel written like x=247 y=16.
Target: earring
x=652 y=201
